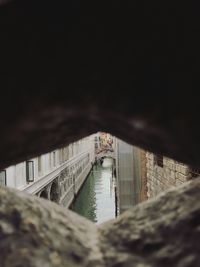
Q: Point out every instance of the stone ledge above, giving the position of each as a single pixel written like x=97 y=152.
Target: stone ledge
x=160 y=232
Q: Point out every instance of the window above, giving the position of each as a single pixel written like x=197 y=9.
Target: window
x=54 y=159
x=66 y=153
x=61 y=155
x=39 y=165
x=3 y=178
x=29 y=171
x=50 y=160
x=158 y=160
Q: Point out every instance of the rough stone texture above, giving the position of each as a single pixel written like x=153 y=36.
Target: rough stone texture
x=163 y=232
x=159 y=179
x=144 y=188
x=70 y=68
x=35 y=233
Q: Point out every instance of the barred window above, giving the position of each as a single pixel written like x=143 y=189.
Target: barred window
x=158 y=160
x=29 y=171
x=3 y=178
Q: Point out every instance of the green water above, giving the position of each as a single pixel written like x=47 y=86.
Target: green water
x=96 y=200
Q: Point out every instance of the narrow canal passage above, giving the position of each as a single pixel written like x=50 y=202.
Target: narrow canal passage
x=96 y=200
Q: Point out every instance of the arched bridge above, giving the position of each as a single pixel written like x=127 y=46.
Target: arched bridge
x=106 y=154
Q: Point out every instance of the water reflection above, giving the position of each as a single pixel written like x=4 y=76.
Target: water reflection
x=96 y=200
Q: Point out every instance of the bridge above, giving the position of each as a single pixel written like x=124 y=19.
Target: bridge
x=63 y=183
x=106 y=154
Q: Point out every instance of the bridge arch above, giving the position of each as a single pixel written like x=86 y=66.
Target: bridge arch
x=108 y=157
x=44 y=194
x=54 y=191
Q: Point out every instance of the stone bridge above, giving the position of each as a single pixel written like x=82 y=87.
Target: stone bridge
x=62 y=184
x=106 y=154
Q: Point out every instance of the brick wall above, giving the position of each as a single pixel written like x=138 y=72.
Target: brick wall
x=164 y=175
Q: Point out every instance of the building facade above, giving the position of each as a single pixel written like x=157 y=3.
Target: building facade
x=131 y=175
x=104 y=142
x=142 y=175
x=57 y=176
x=164 y=173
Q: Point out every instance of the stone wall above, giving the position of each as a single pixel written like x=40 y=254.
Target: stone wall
x=161 y=232
x=164 y=175
x=143 y=163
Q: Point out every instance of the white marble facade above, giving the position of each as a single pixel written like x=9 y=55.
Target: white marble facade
x=32 y=176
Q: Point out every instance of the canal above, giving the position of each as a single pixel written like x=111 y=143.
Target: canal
x=96 y=199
